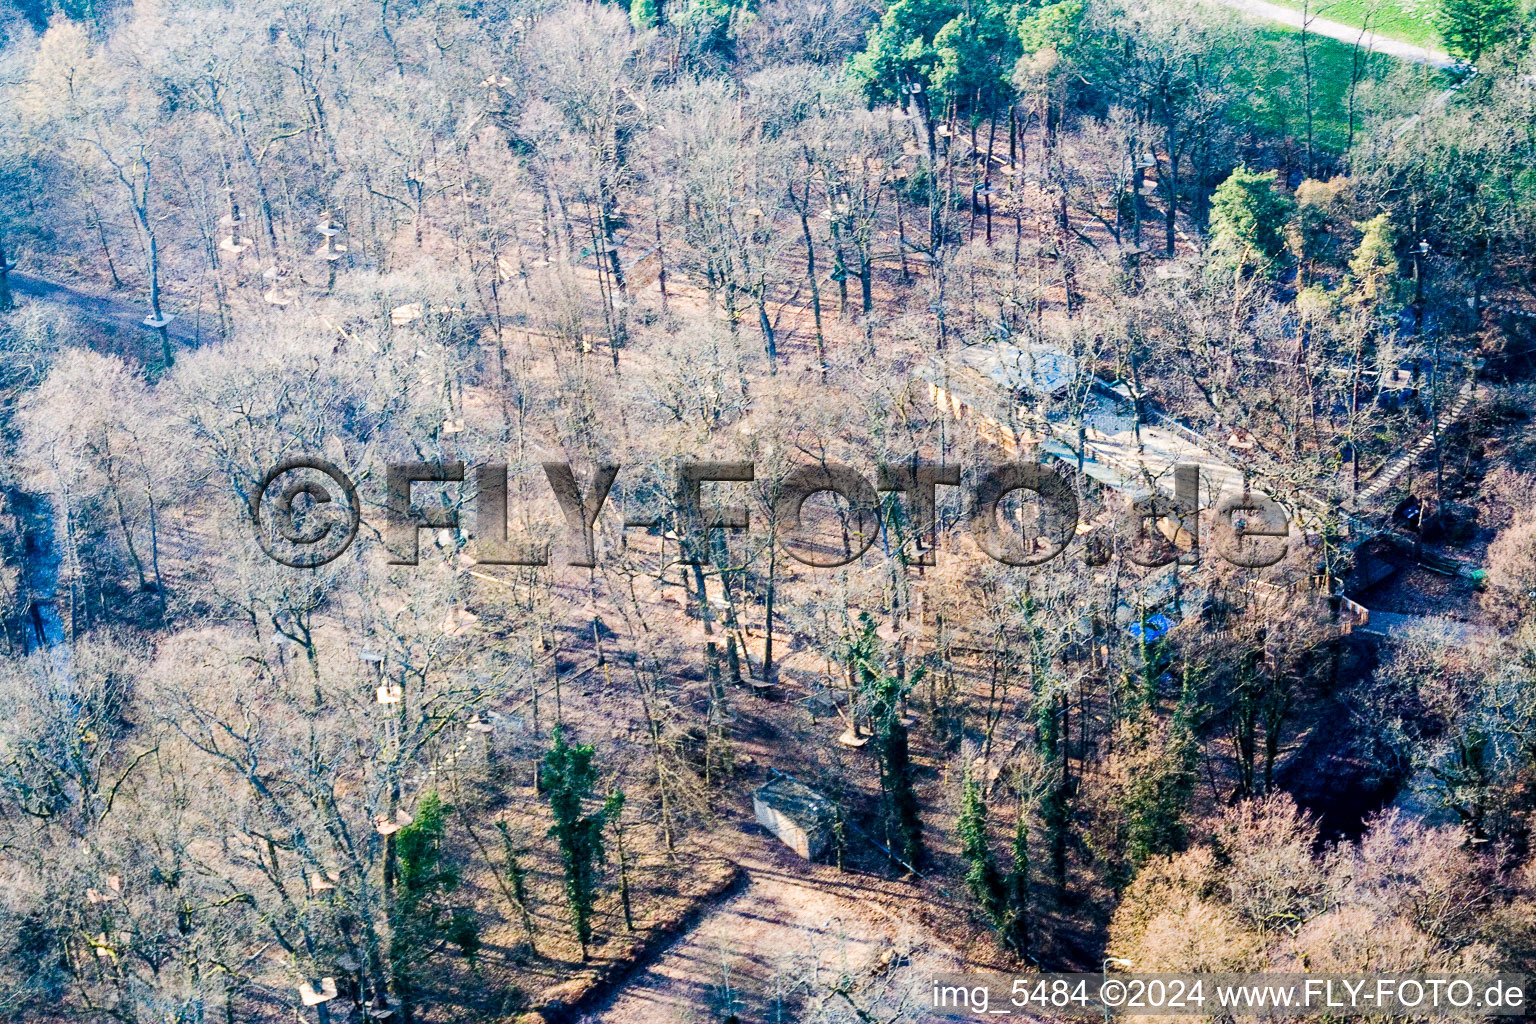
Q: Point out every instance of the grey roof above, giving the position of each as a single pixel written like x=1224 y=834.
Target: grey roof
x=1039 y=369
x=794 y=799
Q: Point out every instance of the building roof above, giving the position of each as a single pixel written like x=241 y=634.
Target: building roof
x=1038 y=369
x=795 y=800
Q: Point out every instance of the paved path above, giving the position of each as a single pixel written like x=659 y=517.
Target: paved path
x=1344 y=33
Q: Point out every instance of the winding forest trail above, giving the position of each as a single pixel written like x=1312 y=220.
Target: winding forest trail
x=1343 y=33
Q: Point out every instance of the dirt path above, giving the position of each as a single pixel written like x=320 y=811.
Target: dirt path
x=751 y=951
x=777 y=949
x=125 y=316
x=1343 y=33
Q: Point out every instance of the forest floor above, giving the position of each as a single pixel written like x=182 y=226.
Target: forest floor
x=121 y=315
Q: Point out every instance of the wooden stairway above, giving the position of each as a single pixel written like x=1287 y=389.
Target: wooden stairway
x=1387 y=475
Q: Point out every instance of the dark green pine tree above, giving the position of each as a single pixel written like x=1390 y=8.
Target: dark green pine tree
x=1471 y=28
x=1156 y=660
x=1248 y=218
x=1160 y=790
x=982 y=877
x=568 y=780
x=422 y=917
x=1016 y=923
x=883 y=695
x=904 y=831
x=1003 y=899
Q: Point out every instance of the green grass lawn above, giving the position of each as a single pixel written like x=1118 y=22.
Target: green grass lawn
x=1388 y=87
x=1412 y=21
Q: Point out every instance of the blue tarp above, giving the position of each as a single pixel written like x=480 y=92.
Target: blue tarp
x=1154 y=627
